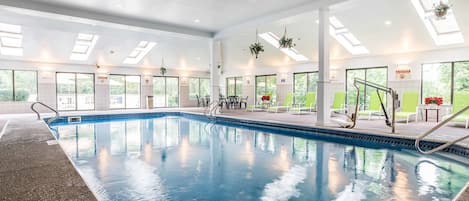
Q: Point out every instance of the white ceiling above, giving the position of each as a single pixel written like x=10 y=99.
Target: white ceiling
x=50 y=37
x=364 y=18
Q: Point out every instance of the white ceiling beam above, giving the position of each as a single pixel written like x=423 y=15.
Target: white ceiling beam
x=105 y=17
x=274 y=16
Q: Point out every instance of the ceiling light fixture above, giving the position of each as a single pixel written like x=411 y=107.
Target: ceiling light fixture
x=388 y=22
x=340 y=33
x=11 y=40
x=139 y=52
x=196 y=20
x=443 y=31
x=83 y=47
x=273 y=39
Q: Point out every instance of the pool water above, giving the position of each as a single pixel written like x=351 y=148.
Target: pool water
x=177 y=158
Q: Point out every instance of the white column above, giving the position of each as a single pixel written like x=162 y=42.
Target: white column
x=323 y=93
x=215 y=49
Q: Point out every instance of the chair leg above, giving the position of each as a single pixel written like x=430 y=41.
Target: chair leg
x=467 y=123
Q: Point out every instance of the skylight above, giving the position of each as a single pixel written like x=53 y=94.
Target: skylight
x=345 y=37
x=291 y=52
x=11 y=40
x=139 y=52
x=84 y=44
x=443 y=31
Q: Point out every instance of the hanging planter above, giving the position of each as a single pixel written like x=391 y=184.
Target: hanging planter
x=441 y=10
x=162 y=69
x=256 y=48
x=286 y=42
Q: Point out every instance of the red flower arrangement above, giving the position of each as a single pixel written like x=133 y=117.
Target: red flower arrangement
x=434 y=100
x=265 y=98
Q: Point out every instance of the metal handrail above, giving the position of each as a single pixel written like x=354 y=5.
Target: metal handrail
x=48 y=107
x=439 y=125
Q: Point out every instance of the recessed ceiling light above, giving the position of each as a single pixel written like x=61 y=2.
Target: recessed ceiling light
x=388 y=22
x=198 y=58
x=196 y=20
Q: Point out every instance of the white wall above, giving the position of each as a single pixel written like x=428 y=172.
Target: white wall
x=414 y=60
x=47 y=86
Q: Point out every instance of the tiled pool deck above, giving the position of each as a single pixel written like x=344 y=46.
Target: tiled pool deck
x=30 y=169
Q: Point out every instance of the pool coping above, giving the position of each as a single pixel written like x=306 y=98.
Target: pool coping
x=396 y=141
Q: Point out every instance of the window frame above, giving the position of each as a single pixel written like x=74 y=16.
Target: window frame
x=265 y=80
x=364 y=90
x=236 y=79
x=76 y=97
x=14 y=85
x=452 y=64
x=125 y=92
x=198 y=90
x=166 y=92
x=307 y=81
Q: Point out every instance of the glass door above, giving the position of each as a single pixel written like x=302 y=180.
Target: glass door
x=166 y=91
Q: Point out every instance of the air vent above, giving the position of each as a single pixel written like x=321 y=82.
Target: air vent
x=74 y=119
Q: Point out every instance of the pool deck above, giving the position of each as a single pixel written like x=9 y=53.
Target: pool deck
x=30 y=169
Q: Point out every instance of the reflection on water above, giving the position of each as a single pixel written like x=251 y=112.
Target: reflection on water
x=174 y=158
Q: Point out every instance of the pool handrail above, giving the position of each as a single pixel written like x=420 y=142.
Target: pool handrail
x=436 y=127
x=48 y=107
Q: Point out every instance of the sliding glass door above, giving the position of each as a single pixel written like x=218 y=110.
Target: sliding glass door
x=124 y=91
x=378 y=75
x=304 y=83
x=166 y=91
x=234 y=86
x=266 y=85
x=75 y=91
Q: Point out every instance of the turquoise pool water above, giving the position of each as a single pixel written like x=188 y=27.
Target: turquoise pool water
x=177 y=158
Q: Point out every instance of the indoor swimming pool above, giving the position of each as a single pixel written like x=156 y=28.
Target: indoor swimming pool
x=183 y=158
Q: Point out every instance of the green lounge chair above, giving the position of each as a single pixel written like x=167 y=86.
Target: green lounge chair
x=339 y=102
x=409 y=103
x=287 y=103
x=374 y=106
x=308 y=105
x=460 y=101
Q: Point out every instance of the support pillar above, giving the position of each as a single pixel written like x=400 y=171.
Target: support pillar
x=323 y=92
x=215 y=60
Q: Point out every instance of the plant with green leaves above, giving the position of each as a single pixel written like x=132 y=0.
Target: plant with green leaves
x=441 y=9
x=286 y=42
x=256 y=48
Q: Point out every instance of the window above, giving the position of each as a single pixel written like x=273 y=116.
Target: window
x=234 y=86
x=266 y=85
x=378 y=75
x=304 y=83
x=18 y=85
x=437 y=78
x=124 y=91
x=198 y=86
x=166 y=91
x=75 y=91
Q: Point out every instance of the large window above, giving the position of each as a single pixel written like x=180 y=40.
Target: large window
x=234 y=86
x=166 y=91
x=445 y=79
x=266 y=85
x=75 y=91
x=378 y=75
x=18 y=85
x=198 y=86
x=124 y=91
x=304 y=83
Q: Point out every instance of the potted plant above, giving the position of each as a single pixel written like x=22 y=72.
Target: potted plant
x=286 y=42
x=256 y=48
x=433 y=100
x=441 y=9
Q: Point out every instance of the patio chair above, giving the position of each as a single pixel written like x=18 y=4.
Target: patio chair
x=287 y=103
x=198 y=100
x=374 y=107
x=409 y=104
x=243 y=101
x=308 y=105
x=460 y=101
x=339 y=102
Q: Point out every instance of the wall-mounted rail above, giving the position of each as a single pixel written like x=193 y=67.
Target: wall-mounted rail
x=439 y=125
x=48 y=107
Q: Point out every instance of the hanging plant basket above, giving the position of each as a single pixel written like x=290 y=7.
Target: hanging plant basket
x=441 y=10
x=163 y=70
x=286 y=42
x=256 y=48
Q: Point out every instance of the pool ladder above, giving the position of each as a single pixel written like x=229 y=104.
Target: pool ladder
x=48 y=107
x=439 y=125
x=212 y=108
